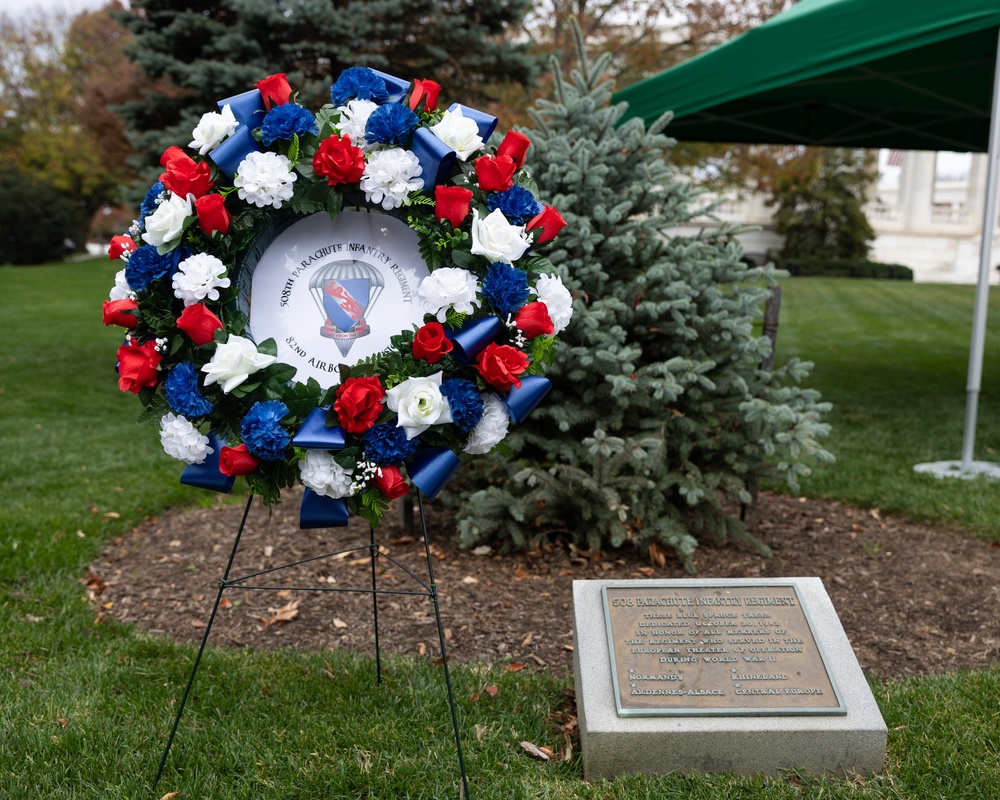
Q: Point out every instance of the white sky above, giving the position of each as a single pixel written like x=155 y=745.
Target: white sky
x=17 y=8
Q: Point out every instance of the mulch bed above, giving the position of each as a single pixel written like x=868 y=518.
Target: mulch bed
x=914 y=599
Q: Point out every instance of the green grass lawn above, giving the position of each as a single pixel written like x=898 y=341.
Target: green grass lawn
x=85 y=707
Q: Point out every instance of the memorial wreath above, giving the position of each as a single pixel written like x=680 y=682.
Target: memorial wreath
x=235 y=241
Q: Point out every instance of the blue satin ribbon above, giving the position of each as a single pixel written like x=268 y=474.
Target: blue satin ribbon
x=396 y=87
x=322 y=512
x=522 y=401
x=230 y=154
x=206 y=475
x=435 y=157
x=487 y=122
x=248 y=108
x=431 y=468
x=472 y=337
x=315 y=434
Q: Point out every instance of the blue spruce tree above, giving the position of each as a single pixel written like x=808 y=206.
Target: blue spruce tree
x=661 y=421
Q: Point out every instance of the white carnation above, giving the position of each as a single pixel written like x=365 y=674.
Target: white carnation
x=449 y=288
x=181 y=439
x=265 y=179
x=491 y=429
x=353 y=119
x=212 y=129
x=121 y=290
x=418 y=404
x=166 y=223
x=325 y=476
x=198 y=278
x=459 y=132
x=389 y=177
x=234 y=361
x=557 y=299
x=498 y=240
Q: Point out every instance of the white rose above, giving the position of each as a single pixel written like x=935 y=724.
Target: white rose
x=557 y=299
x=353 y=119
x=121 y=290
x=447 y=288
x=182 y=440
x=325 y=476
x=491 y=429
x=234 y=361
x=212 y=129
x=498 y=240
x=460 y=133
x=418 y=403
x=199 y=277
x=166 y=223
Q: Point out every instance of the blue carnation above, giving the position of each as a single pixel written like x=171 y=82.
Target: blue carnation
x=285 y=121
x=262 y=431
x=505 y=287
x=391 y=124
x=182 y=392
x=387 y=444
x=464 y=401
x=145 y=265
x=517 y=204
x=149 y=204
x=358 y=83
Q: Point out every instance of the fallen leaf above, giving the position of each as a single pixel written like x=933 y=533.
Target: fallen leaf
x=470 y=579
x=534 y=750
x=491 y=690
x=403 y=540
x=113 y=515
x=656 y=555
x=175 y=543
x=225 y=603
x=422 y=649
x=286 y=613
x=339 y=623
x=33 y=618
x=197 y=623
x=95 y=584
x=515 y=666
x=63 y=721
x=482 y=550
x=170 y=795
x=109 y=604
x=268 y=551
x=527 y=639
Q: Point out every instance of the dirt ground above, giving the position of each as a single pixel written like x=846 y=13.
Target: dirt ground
x=913 y=599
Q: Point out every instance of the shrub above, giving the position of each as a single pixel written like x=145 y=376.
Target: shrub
x=845 y=268
x=35 y=220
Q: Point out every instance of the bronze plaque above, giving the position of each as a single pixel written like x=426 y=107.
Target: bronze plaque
x=685 y=648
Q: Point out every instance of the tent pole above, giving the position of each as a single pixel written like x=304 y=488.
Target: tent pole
x=975 y=374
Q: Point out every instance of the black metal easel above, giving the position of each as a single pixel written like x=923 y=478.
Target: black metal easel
x=428 y=590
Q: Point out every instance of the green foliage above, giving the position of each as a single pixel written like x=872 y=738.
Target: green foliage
x=205 y=50
x=845 y=268
x=660 y=417
x=35 y=219
x=819 y=203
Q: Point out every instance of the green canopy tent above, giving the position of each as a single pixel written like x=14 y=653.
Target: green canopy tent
x=905 y=74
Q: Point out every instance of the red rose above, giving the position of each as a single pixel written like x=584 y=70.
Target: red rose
x=427 y=91
x=119 y=245
x=212 y=214
x=237 y=461
x=275 y=90
x=533 y=320
x=199 y=323
x=452 y=203
x=550 y=221
x=339 y=161
x=495 y=173
x=115 y=313
x=514 y=145
x=500 y=365
x=430 y=343
x=137 y=366
x=184 y=176
x=358 y=404
x=391 y=482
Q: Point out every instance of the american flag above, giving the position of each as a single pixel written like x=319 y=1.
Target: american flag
x=895 y=158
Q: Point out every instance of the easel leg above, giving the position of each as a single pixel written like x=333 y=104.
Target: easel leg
x=444 y=654
x=204 y=641
x=378 y=652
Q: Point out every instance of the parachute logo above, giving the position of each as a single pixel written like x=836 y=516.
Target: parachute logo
x=345 y=292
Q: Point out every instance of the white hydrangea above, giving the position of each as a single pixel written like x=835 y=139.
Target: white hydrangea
x=198 y=278
x=325 y=476
x=389 y=177
x=449 y=288
x=121 y=289
x=353 y=119
x=182 y=440
x=491 y=429
x=459 y=132
x=265 y=179
x=558 y=300
x=167 y=222
x=212 y=129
